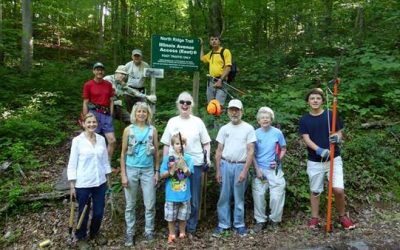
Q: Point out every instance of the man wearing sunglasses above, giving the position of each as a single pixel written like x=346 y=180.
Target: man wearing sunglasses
x=220 y=61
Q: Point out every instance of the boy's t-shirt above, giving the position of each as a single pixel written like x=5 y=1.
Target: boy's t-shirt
x=177 y=190
x=318 y=130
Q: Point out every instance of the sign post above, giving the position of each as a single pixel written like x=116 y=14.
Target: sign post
x=153 y=73
x=177 y=53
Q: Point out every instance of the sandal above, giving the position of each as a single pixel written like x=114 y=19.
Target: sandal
x=171 y=238
x=182 y=235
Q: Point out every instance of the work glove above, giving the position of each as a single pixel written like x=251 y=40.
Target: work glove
x=118 y=102
x=151 y=98
x=324 y=153
x=335 y=139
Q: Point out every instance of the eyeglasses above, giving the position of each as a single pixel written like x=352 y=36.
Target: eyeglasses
x=185 y=102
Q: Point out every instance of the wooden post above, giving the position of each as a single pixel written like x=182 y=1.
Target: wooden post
x=153 y=92
x=196 y=84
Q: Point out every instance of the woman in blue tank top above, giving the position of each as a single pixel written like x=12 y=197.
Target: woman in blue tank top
x=140 y=165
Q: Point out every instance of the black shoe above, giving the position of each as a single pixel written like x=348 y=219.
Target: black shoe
x=258 y=227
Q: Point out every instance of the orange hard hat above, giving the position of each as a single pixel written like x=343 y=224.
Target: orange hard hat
x=214 y=107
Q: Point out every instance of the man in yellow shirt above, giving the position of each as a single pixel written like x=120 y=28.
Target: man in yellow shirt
x=220 y=62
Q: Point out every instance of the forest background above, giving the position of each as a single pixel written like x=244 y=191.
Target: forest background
x=283 y=48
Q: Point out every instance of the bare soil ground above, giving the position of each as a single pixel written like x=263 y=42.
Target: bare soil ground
x=377 y=228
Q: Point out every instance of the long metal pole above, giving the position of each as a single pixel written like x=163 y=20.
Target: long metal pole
x=332 y=156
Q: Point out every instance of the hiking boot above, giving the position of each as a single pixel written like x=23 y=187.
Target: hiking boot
x=83 y=245
x=258 y=227
x=242 y=231
x=99 y=239
x=314 y=223
x=129 y=240
x=149 y=236
x=347 y=224
x=274 y=224
x=218 y=231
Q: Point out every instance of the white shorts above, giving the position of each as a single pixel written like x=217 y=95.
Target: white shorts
x=317 y=170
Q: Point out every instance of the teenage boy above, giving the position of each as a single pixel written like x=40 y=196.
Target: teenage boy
x=315 y=132
x=98 y=97
x=233 y=158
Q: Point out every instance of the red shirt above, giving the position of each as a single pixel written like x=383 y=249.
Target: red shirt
x=98 y=92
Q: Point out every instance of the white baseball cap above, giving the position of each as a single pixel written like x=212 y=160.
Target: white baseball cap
x=235 y=103
x=137 y=52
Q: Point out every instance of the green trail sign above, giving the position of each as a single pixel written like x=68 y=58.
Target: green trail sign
x=172 y=52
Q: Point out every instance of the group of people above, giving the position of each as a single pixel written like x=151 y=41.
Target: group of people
x=186 y=154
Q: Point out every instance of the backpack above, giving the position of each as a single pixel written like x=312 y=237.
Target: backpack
x=234 y=68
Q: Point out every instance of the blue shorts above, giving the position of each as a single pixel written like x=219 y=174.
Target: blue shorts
x=104 y=123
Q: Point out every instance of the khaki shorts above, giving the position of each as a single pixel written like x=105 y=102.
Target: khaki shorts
x=316 y=174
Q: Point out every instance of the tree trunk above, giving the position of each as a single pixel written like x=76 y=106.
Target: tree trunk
x=360 y=26
x=101 y=24
x=27 y=40
x=196 y=17
x=327 y=25
x=215 y=18
x=124 y=29
x=115 y=28
x=1 y=34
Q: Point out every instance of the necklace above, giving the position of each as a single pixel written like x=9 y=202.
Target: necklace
x=91 y=137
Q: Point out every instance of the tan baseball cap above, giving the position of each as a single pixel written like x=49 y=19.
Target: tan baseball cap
x=121 y=69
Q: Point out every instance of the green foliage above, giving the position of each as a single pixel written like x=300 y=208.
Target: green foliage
x=11 y=239
x=282 y=49
x=371 y=159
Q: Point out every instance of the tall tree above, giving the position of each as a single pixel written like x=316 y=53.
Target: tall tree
x=27 y=39
x=215 y=18
x=1 y=34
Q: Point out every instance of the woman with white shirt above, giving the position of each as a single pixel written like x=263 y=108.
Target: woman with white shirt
x=198 y=142
x=88 y=170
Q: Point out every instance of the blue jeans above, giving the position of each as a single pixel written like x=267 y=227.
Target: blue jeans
x=98 y=195
x=195 y=189
x=145 y=177
x=231 y=187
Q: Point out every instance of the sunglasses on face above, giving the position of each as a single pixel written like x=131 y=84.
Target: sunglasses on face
x=185 y=102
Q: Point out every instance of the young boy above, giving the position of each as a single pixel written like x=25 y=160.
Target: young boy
x=269 y=150
x=176 y=168
x=315 y=132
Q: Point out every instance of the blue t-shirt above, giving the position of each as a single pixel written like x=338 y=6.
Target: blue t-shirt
x=265 y=145
x=177 y=190
x=140 y=158
x=318 y=130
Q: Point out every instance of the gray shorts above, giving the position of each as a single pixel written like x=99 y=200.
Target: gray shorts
x=176 y=210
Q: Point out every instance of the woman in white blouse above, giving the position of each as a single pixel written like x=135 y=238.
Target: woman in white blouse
x=88 y=170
